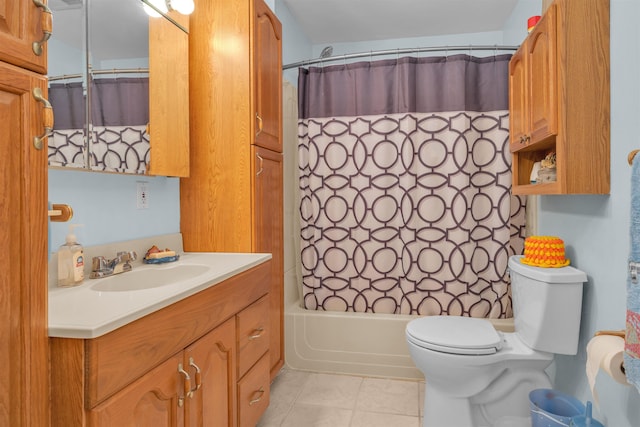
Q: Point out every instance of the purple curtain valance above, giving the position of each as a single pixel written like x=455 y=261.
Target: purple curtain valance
x=437 y=84
x=114 y=102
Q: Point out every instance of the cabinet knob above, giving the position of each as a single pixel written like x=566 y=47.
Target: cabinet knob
x=259 y=124
x=259 y=393
x=47 y=118
x=47 y=27
x=257 y=333
x=261 y=164
x=187 y=385
x=198 y=376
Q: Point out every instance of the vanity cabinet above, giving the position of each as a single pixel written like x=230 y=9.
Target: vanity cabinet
x=559 y=100
x=233 y=198
x=24 y=379
x=179 y=366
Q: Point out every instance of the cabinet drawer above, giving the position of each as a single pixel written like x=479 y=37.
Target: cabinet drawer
x=253 y=393
x=253 y=334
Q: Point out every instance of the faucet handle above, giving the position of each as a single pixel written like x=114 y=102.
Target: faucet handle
x=98 y=263
x=127 y=256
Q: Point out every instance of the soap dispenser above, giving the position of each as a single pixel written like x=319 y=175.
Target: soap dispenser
x=70 y=260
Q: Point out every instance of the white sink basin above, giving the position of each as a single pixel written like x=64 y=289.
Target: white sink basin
x=149 y=278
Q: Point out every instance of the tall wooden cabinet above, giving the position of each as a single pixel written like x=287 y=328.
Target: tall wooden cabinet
x=232 y=200
x=559 y=100
x=24 y=384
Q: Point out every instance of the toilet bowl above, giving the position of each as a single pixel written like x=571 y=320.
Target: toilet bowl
x=476 y=376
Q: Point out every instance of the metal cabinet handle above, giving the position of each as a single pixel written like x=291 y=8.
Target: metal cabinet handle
x=257 y=333
x=259 y=124
x=198 y=376
x=47 y=27
x=187 y=385
x=261 y=162
x=47 y=118
x=260 y=394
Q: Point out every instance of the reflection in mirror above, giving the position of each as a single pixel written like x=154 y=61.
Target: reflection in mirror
x=108 y=70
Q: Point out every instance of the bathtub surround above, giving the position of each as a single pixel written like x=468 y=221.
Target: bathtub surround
x=405 y=187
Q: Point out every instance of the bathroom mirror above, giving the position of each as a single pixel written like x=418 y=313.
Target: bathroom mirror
x=98 y=66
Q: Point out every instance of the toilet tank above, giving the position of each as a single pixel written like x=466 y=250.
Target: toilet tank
x=547 y=303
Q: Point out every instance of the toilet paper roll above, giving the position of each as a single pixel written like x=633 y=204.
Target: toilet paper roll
x=606 y=353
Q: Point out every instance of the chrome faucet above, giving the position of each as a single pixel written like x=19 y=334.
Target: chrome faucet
x=102 y=267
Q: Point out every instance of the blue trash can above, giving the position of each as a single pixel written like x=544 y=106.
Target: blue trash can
x=551 y=408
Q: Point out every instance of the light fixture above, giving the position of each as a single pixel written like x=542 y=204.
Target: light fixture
x=152 y=7
x=184 y=7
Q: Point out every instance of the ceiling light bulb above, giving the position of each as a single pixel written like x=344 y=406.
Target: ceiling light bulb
x=161 y=5
x=184 y=7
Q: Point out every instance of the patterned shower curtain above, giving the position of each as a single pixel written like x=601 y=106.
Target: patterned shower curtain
x=405 y=187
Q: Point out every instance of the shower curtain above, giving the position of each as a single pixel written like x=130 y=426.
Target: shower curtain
x=118 y=139
x=405 y=186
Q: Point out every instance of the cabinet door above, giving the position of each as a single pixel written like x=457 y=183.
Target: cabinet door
x=518 y=108
x=153 y=400
x=268 y=229
x=24 y=383
x=169 y=92
x=21 y=24
x=213 y=356
x=268 y=78
x=542 y=63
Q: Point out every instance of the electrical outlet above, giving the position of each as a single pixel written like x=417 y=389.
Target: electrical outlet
x=142 y=199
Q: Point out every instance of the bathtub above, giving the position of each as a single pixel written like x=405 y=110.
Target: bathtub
x=352 y=343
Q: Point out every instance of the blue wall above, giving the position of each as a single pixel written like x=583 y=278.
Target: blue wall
x=106 y=205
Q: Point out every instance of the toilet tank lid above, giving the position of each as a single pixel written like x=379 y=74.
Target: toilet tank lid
x=549 y=275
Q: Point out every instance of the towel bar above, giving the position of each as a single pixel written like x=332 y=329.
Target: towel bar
x=631 y=155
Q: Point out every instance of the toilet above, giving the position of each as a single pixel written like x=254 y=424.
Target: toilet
x=479 y=377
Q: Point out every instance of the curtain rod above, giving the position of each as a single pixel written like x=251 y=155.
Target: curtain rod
x=97 y=72
x=398 y=52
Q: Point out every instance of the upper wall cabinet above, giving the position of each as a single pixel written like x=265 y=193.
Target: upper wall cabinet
x=25 y=45
x=559 y=100
x=118 y=83
x=268 y=78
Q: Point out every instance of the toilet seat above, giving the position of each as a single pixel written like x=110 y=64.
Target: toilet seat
x=455 y=335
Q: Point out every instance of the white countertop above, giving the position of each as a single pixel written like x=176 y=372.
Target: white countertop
x=84 y=312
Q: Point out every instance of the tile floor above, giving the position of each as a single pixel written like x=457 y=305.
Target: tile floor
x=308 y=399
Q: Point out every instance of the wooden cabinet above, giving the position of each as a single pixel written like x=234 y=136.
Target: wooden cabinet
x=533 y=86
x=253 y=362
x=22 y=24
x=192 y=388
x=169 y=96
x=559 y=100
x=175 y=367
x=24 y=380
x=267 y=48
x=232 y=200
